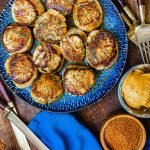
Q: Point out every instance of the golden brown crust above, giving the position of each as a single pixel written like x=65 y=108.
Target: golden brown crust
x=39 y=6
x=48 y=58
x=87 y=14
x=21 y=69
x=47 y=89
x=63 y=6
x=73 y=45
x=78 y=32
x=17 y=38
x=101 y=49
x=2 y=146
x=24 y=12
x=50 y=27
x=78 y=80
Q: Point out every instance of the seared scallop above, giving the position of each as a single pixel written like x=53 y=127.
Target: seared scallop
x=87 y=14
x=48 y=58
x=50 y=27
x=38 y=6
x=24 y=12
x=101 y=49
x=73 y=45
x=47 y=89
x=21 y=69
x=17 y=38
x=63 y=6
x=78 y=80
x=79 y=32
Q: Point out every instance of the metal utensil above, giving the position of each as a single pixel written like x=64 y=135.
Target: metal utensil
x=21 y=139
x=131 y=32
x=132 y=24
x=9 y=114
x=143 y=35
x=128 y=11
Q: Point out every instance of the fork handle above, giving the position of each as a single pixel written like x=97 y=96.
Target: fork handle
x=6 y=94
x=122 y=3
x=142 y=10
x=141 y=2
x=127 y=10
x=4 y=91
x=2 y=104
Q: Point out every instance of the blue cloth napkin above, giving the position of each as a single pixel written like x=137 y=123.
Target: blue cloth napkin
x=147 y=146
x=63 y=132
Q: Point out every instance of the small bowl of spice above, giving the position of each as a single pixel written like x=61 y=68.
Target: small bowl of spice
x=122 y=132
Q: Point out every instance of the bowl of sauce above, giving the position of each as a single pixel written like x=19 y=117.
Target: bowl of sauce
x=134 y=91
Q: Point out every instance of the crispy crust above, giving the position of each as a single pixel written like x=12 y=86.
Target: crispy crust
x=2 y=146
x=87 y=14
x=63 y=6
x=21 y=69
x=78 y=80
x=24 y=12
x=17 y=38
x=50 y=27
x=38 y=6
x=101 y=49
x=48 y=58
x=72 y=45
x=47 y=89
x=79 y=32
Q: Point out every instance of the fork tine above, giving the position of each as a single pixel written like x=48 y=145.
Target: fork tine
x=148 y=43
x=145 y=51
x=140 y=46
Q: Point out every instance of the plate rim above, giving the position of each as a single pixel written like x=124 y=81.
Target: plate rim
x=92 y=103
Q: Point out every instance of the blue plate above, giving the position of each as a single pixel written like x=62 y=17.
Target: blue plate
x=105 y=80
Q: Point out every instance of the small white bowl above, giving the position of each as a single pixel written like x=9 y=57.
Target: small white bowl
x=138 y=113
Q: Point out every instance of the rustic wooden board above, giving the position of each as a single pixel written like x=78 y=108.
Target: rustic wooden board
x=92 y=116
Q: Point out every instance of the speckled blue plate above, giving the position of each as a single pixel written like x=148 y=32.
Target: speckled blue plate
x=106 y=79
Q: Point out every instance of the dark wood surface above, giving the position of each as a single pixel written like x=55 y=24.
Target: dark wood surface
x=92 y=116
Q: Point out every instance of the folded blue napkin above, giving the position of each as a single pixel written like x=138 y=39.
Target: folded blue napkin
x=147 y=146
x=63 y=132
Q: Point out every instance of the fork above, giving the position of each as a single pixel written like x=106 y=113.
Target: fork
x=142 y=33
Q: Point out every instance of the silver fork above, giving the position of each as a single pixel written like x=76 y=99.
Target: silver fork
x=142 y=33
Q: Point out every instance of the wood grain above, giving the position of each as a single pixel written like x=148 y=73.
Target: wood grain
x=92 y=116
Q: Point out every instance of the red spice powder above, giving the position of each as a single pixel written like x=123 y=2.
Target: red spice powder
x=123 y=134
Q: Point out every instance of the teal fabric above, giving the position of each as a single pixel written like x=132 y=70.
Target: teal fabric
x=63 y=132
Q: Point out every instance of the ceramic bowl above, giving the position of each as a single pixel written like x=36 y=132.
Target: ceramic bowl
x=142 y=113
x=106 y=79
x=110 y=119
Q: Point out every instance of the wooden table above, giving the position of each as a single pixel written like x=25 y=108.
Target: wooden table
x=92 y=116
